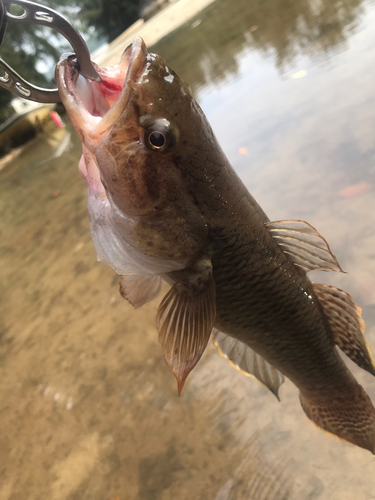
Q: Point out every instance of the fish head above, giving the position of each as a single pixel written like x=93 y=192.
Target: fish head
x=139 y=126
x=148 y=160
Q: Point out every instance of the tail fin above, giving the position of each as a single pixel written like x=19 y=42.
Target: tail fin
x=350 y=417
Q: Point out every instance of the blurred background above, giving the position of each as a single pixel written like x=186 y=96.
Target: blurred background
x=34 y=50
x=88 y=407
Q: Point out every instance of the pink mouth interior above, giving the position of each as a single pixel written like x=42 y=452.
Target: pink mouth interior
x=94 y=107
x=98 y=98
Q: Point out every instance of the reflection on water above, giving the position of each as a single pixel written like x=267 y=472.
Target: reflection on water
x=304 y=133
x=278 y=29
x=88 y=408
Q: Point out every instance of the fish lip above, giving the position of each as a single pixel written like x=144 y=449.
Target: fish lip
x=76 y=91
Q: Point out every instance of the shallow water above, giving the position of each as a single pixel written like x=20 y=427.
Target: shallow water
x=88 y=408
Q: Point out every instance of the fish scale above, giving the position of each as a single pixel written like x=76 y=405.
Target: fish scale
x=165 y=204
x=261 y=326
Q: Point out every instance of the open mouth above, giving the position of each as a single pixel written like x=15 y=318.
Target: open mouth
x=94 y=107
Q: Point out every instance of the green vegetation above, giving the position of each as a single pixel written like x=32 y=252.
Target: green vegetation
x=110 y=18
x=33 y=51
x=25 y=47
x=280 y=29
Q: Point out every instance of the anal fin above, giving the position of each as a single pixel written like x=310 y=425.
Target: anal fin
x=243 y=358
x=347 y=326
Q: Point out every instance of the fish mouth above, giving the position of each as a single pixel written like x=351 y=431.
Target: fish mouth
x=94 y=107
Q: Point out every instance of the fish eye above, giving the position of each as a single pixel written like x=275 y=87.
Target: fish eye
x=158 y=136
x=157 y=139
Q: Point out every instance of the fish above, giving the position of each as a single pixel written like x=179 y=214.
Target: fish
x=165 y=205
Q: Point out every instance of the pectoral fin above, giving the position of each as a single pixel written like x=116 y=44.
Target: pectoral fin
x=303 y=245
x=186 y=317
x=139 y=289
x=347 y=326
x=243 y=358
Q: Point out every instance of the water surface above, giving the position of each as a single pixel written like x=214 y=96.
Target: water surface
x=88 y=408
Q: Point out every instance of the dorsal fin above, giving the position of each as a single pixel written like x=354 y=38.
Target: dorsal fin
x=346 y=323
x=139 y=289
x=243 y=358
x=303 y=245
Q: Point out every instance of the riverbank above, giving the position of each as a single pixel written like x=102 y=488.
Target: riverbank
x=164 y=22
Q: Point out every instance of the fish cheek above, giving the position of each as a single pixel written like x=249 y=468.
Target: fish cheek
x=139 y=182
x=119 y=167
x=151 y=189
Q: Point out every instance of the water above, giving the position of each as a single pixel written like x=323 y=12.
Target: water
x=88 y=408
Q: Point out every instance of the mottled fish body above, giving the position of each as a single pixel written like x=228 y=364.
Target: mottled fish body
x=165 y=204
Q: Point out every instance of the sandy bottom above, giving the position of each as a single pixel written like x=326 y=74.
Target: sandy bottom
x=89 y=409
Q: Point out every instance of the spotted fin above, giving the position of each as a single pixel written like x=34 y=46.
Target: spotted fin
x=347 y=326
x=186 y=317
x=303 y=245
x=139 y=289
x=243 y=358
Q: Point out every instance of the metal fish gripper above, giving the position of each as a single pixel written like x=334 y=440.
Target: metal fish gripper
x=34 y=13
